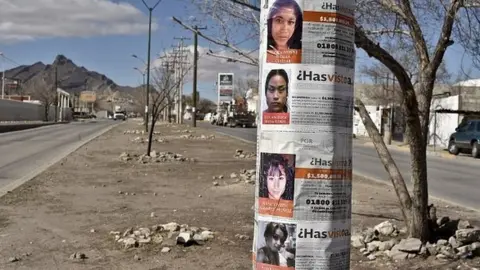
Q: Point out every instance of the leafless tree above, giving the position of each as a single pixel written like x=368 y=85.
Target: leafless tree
x=425 y=29
x=166 y=82
x=410 y=23
x=46 y=94
x=242 y=85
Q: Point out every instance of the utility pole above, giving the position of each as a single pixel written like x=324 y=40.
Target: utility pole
x=388 y=128
x=150 y=9
x=320 y=204
x=166 y=64
x=195 y=67
x=180 y=51
x=145 y=114
x=55 y=86
x=195 y=31
x=3 y=76
x=169 y=64
x=143 y=76
x=143 y=85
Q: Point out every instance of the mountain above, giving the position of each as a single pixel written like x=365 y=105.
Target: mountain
x=70 y=78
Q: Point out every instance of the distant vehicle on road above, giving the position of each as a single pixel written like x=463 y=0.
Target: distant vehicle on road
x=119 y=113
x=466 y=138
x=83 y=115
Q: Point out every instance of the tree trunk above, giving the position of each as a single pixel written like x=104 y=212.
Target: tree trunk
x=418 y=153
x=46 y=112
x=388 y=162
x=152 y=128
x=169 y=114
x=418 y=227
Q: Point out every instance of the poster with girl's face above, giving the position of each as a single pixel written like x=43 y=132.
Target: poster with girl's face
x=284 y=32
x=277 y=247
x=277 y=176
x=275 y=107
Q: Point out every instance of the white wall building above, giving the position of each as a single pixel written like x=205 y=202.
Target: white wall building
x=376 y=115
x=442 y=125
x=253 y=101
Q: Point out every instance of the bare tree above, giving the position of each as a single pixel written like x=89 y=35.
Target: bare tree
x=379 y=25
x=242 y=85
x=166 y=81
x=46 y=94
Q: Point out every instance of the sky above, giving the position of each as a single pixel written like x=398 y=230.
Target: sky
x=102 y=35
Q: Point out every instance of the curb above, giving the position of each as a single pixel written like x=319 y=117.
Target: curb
x=18 y=127
x=405 y=148
x=16 y=183
x=235 y=137
x=388 y=183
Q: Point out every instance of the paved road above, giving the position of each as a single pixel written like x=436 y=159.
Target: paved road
x=455 y=180
x=25 y=151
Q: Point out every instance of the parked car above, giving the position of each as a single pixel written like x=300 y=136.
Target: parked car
x=466 y=138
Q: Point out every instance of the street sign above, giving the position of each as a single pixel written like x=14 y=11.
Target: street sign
x=225 y=86
x=88 y=96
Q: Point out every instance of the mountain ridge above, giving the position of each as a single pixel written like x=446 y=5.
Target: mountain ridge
x=70 y=77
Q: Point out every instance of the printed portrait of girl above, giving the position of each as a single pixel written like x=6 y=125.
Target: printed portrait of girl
x=284 y=24
x=277 y=177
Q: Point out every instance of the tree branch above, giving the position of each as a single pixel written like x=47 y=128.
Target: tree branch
x=217 y=41
x=387 y=31
x=416 y=33
x=247 y=5
x=387 y=160
x=444 y=39
x=231 y=59
x=376 y=51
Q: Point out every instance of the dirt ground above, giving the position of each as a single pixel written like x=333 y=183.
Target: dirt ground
x=74 y=205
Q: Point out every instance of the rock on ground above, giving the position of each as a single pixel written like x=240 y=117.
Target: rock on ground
x=163 y=234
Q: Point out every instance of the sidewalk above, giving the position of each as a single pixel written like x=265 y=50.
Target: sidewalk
x=68 y=217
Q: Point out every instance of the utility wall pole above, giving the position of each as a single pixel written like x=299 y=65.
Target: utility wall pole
x=3 y=84
x=55 y=85
x=172 y=63
x=309 y=137
x=195 y=31
x=165 y=64
x=195 y=67
x=3 y=76
x=181 y=56
x=389 y=127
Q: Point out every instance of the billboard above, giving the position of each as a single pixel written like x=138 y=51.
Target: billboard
x=88 y=96
x=225 y=86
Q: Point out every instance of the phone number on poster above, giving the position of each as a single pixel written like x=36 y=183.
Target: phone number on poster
x=325 y=176
x=335 y=47
x=326 y=202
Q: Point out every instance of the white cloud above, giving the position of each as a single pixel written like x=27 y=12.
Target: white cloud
x=209 y=66
x=22 y=20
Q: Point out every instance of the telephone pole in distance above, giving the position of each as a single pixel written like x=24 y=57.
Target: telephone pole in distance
x=195 y=67
x=181 y=50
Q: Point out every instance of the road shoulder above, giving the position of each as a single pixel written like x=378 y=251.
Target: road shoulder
x=73 y=207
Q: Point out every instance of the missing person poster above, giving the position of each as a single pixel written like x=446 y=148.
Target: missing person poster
x=304 y=149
